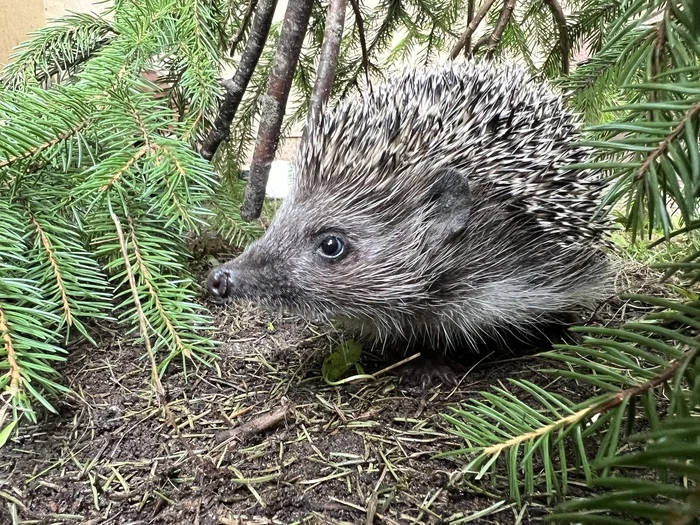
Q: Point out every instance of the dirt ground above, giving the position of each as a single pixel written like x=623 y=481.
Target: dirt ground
x=357 y=453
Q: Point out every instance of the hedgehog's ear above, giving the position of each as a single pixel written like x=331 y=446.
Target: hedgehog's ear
x=451 y=199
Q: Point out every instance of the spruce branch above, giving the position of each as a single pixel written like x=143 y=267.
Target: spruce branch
x=146 y=336
x=296 y=22
x=199 y=63
x=58 y=275
x=63 y=65
x=566 y=421
x=628 y=365
x=153 y=293
x=665 y=144
x=473 y=25
x=143 y=320
x=13 y=372
x=491 y=40
x=235 y=89
x=661 y=378
x=57 y=49
x=44 y=146
x=227 y=220
x=70 y=154
x=129 y=160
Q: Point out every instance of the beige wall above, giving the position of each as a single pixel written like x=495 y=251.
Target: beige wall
x=17 y=19
x=56 y=8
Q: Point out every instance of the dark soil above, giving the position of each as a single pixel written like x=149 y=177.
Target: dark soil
x=356 y=453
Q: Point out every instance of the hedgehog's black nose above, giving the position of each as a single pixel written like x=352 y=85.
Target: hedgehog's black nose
x=219 y=283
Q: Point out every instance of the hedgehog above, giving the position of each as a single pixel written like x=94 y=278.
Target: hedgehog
x=439 y=212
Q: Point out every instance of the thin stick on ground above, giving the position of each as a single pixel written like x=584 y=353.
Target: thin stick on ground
x=464 y=41
x=274 y=103
x=330 y=50
x=560 y=19
x=492 y=40
x=238 y=84
x=258 y=425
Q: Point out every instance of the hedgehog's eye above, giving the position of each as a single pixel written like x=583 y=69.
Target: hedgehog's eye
x=332 y=247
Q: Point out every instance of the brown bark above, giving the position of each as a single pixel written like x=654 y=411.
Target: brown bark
x=238 y=84
x=274 y=103
x=470 y=16
x=467 y=35
x=492 y=40
x=560 y=19
x=330 y=50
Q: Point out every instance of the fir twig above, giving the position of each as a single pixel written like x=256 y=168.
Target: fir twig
x=63 y=64
x=664 y=145
x=274 y=104
x=143 y=321
x=55 y=270
x=13 y=367
x=236 y=88
x=44 y=146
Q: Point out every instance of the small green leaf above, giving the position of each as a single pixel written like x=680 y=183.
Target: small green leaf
x=344 y=356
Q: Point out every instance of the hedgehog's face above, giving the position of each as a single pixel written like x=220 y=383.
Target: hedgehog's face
x=330 y=257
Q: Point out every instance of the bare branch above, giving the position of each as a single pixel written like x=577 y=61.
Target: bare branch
x=470 y=16
x=492 y=40
x=274 y=103
x=325 y=74
x=236 y=88
x=361 y=34
x=244 y=24
x=562 y=28
x=467 y=35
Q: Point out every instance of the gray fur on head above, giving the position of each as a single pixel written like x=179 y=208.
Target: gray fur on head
x=460 y=219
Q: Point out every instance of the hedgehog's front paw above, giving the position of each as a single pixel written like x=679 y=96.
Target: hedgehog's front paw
x=428 y=372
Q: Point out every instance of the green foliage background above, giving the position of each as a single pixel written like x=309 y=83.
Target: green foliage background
x=101 y=186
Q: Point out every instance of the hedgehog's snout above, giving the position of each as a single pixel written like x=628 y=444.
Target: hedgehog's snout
x=220 y=283
x=243 y=278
